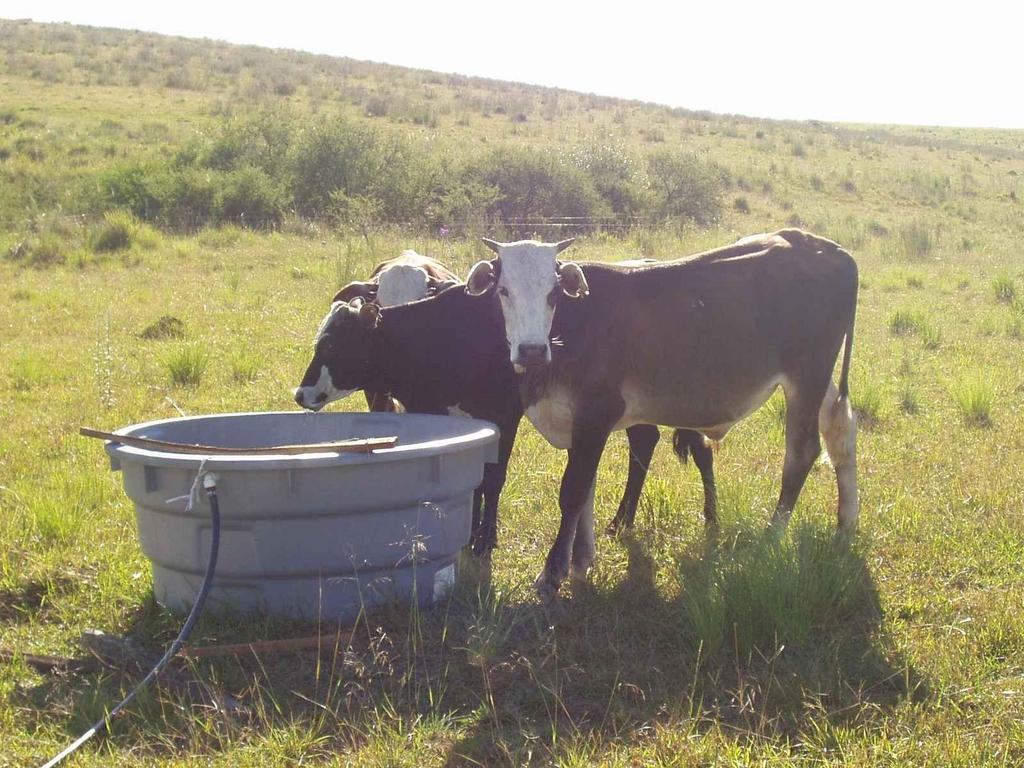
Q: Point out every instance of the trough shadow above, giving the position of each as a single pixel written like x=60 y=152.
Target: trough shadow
x=604 y=662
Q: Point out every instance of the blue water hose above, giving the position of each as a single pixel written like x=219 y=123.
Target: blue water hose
x=210 y=486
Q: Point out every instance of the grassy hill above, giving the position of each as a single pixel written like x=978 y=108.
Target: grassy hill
x=174 y=217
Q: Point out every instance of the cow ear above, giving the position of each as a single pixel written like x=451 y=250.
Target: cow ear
x=481 y=279
x=493 y=245
x=562 y=245
x=369 y=315
x=442 y=285
x=356 y=290
x=572 y=280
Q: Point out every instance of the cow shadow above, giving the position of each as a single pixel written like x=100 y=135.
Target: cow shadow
x=694 y=636
x=713 y=649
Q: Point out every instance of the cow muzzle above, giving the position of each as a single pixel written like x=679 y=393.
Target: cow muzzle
x=532 y=355
x=309 y=400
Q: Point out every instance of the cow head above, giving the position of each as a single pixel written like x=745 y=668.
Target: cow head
x=341 y=354
x=402 y=283
x=529 y=281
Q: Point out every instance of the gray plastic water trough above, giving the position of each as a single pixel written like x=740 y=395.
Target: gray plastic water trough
x=310 y=535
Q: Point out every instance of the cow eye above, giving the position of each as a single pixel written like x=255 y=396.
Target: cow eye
x=503 y=291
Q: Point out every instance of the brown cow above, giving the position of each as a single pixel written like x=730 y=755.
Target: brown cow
x=698 y=343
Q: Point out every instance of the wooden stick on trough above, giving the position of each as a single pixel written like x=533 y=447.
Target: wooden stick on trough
x=357 y=445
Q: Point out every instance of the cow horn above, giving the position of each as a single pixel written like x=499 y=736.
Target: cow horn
x=493 y=245
x=562 y=245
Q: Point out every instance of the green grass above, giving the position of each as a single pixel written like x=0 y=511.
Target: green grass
x=901 y=648
x=1004 y=288
x=974 y=397
x=187 y=364
x=245 y=366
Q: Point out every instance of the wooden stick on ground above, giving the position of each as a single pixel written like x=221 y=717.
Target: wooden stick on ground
x=327 y=641
x=357 y=445
x=43 y=663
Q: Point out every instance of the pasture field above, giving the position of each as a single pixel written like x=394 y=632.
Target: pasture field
x=907 y=648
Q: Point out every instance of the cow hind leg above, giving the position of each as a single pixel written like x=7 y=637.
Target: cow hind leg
x=802 y=448
x=642 y=440
x=686 y=441
x=838 y=425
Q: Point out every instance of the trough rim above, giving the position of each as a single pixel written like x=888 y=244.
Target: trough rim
x=477 y=432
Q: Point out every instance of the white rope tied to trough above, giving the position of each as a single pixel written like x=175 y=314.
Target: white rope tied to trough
x=193 y=494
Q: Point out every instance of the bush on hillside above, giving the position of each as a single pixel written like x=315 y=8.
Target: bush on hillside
x=684 y=187
x=532 y=186
x=248 y=197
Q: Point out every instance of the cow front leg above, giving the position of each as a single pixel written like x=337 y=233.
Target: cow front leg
x=478 y=503
x=486 y=539
x=642 y=440
x=583 y=549
x=573 y=497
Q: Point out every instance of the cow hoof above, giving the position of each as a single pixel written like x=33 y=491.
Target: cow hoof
x=482 y=548
x=578 y=571
x=578 y=576
x=547 y=587
x=617 y=529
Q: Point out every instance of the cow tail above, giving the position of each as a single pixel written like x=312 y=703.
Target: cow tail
x=844 y=373
x=680 y=445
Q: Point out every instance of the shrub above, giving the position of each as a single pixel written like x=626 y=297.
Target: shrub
x=130 y=187
x=614 y=174
x=187 y=198
x=116 y=234
x=331 y=156
x=741 y=205
x=531 y=186
x=250 y=198
x=684 y=187
x=42 y=250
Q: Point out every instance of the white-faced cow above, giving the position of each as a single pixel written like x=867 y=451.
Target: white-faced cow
x=445 y=354
x=405 y=278
x=698 y=343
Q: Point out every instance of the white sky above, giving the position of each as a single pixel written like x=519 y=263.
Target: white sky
x=923 y=63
